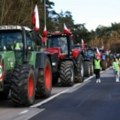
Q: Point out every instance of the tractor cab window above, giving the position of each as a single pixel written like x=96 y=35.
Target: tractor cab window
x=10 y=40
x=63 y=44
x=53 y=42
x=89 y=53
x=58 y=41
x=30 y=42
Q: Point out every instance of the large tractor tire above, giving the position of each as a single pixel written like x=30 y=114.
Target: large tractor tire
x=79 y=71
x=44 y=81
x=23 y=85
x=67 y=73
x=87 y=66
x=91 y=69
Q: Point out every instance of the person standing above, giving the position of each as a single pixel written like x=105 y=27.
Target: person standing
x=116 y=68
x=97 y=68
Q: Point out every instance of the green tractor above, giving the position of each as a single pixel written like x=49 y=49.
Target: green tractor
x=25 y=69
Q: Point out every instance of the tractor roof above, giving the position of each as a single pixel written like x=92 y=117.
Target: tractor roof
x=56 y=33
x=13 y=27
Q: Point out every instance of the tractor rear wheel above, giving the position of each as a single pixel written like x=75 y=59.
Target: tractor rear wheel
x=44 y=82
x=67 y=73
x=79 y=71
x=23 y=85
x=87 y=66
x=91 y=69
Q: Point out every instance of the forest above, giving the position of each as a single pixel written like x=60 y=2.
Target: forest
x=19 y=12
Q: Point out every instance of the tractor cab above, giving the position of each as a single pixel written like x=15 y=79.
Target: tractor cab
x=16 y=39
x=59 y=41
x=89 y=54
x=63 y=43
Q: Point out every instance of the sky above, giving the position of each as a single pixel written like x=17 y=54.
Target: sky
x=91 y=12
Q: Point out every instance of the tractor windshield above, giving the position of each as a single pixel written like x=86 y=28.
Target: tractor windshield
x=12 y=40
x=8 y=38
x=58 y=41
x=89 y=53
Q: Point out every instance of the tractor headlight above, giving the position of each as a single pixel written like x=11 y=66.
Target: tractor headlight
x=53 y=63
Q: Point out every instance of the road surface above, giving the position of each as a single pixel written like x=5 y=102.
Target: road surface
x=83 y=101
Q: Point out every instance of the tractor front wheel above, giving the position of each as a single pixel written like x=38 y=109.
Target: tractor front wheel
x=67 y=73
x=87 y=66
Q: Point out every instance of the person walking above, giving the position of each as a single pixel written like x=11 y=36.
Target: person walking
x=97 y=68
x=116 y=68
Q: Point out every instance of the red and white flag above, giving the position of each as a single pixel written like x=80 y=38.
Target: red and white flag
x=35 y=19
x=66 y=30
x=44 y=34
x=98 y=54
x=82 y=43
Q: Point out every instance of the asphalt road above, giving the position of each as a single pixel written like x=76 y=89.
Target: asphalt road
x=89 y=102
x=83 y=101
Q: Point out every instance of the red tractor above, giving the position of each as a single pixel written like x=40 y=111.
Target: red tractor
x=67 y=61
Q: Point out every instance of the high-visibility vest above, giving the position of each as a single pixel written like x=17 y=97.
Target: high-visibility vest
x=97 y=64
x=17 y=46
x=116 y=66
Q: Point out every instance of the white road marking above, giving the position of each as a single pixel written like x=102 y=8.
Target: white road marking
x=50 y=98
x=89 y=78
x=64 y=91
x=27 y=114
x=23 y=112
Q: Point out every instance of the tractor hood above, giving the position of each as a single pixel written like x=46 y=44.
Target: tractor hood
x=55 y=50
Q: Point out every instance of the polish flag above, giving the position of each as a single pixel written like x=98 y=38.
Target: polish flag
x=44 y=34
x=83 y=44
x=44 y=39
x=98 y=54
x=66 y=30
x=35 y=19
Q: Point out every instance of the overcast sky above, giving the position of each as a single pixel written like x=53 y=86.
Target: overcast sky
x=91 y=12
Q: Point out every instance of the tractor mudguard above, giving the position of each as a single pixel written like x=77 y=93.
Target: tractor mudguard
x=40 y=60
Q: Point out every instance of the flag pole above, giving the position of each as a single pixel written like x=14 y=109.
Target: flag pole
x=44 y=17
x=44 y=12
